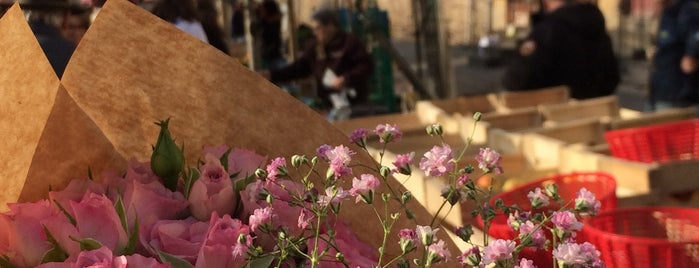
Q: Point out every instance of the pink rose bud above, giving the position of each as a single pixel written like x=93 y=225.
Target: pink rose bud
x=213 y=191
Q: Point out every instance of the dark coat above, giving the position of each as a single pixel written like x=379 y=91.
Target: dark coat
x=58 y=49
x=345 y=55
x=573 y=49
x=679 y=24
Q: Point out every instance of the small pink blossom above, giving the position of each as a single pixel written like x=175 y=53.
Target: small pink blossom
x=402 y=163
x=462 y=180
x=498 y=250
x=322 y=152
x=489 y=160
x=586 y=202
x=260 y=216
x=566 y=221
x=359 y=135
x=340 y=158
x=363 y=186
x=304 y=219
x=408 y=240
x=470 y=257
x=97 y=219
x=524 y=263
x=538 y=198
x=437 y=161
x=332 y=196
x=577 y=255
x=537 y=234
x=388 y=133
x=438 y=252
x=273 y=169
x=426 y=234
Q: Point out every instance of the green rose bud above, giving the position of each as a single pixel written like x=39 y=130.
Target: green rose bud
x=167 y=160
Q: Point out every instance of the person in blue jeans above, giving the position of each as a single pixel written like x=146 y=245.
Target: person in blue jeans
x=674 y=80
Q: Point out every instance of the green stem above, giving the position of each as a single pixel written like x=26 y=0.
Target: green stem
x=436 y=215
x=314 y=255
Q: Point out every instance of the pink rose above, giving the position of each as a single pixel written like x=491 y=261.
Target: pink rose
x=21 y=232
x=240 y=161
x=104 y=258
x=141 y=172
x=213 y=191
x=223 y=246
x=244 y=162
x=180 y=238
x=148 y=201
x=75 y=191
x=97 y=219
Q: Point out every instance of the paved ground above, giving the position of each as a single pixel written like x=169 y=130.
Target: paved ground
x=473 y=78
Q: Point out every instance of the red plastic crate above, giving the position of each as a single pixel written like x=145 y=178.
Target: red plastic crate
x=652 y=237
x=656 y=143
x=601 y=184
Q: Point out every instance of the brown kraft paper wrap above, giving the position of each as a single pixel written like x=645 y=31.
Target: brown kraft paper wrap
x=130 y=70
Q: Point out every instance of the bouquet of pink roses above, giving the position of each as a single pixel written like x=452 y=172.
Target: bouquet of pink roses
x=233 y=209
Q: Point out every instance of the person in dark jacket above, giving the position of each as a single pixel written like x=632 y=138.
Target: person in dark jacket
x=335 y=51
x=569 y=46
x=45 y=18
x=674 y=80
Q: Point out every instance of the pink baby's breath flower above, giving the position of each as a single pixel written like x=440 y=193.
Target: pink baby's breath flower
x=462 y=180
x=273 y=169
x=524 y=263
x=586 y=202
x=438 y=252
x=322 y=152
x=537 y=234
x=408 y=240
x=471 y=257
x=332 y=196
x=260 y=217
x=566 y=221
x=359 y=136
x=437 y=161
x=577 y=255
x=388 y=133
x=489 y=160
x=362 y=186
x=538 y=198
x=304 y=219
x=340 y=157
x=498 y=250
x=402 y=163
x=426 y=234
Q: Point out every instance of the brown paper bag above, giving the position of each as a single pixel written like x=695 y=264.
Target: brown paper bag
x=130 y=70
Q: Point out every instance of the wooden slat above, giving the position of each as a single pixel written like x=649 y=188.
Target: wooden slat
x=659 y=117
x=521 y=99
x=574 y=110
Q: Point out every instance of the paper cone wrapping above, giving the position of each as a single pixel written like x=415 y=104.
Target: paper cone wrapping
x=130 y=70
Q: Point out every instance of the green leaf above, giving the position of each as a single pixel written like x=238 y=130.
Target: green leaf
x=56 y=253
x=87 y=243
x=224 y=159
x=263 y=262
x=242 y=183
x=5 y=262
x=121 y=211
x=174 y=261
x=190 y=177
x=65 y=212
x=133 y=239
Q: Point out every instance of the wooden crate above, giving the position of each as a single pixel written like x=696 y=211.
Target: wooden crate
x=514 y=120
x=658 y=117
x=509 y=100
x=603 y=107
x=656 y=180
x=465 y=105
